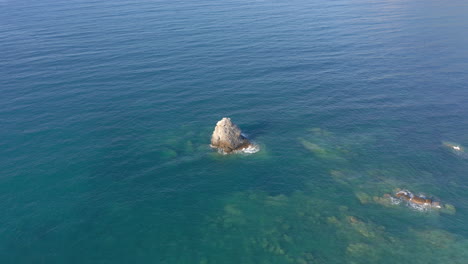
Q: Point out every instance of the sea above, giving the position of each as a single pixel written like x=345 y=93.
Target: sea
x=107 y=109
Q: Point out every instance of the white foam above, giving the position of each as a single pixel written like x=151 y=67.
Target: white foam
x=394 y=200
x=250 y=149
x=455 y=147
x=419 y=207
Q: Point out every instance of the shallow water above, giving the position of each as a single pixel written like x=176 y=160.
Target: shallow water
x=107 y=108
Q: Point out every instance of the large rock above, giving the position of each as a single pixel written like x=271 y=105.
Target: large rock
x=227 y=137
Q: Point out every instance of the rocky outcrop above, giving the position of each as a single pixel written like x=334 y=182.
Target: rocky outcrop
x=417 y=200
x=227 y=137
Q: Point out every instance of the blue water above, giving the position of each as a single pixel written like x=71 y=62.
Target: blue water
x=107 y=108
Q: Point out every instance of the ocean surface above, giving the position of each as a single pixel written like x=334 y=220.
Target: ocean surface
x=107 y=109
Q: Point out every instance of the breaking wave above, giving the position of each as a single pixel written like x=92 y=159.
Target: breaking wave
x=250 y=149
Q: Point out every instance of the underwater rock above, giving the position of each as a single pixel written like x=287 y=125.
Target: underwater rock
x=167 y=153
x=449 y=209
x=456 y=149
x=313 y=147
x=189 y=147
x=436 y=237
x=453 y=146
x=232 y=210
x=386 y=200
x=362 y=228
x=360 y=251
x=363 y=198
x=320 y=132
x=301 y=261
x=227 y=137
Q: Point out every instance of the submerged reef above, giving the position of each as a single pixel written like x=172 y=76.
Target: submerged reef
x=373 y=183
x=283 y=229
x=172 y=147
x=329 y=147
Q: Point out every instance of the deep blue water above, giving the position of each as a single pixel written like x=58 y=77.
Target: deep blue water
x=107 y=108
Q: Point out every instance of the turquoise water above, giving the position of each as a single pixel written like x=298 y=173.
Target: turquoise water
x=107 y=108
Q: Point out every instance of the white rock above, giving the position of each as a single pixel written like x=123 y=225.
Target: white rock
x=228 y=137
